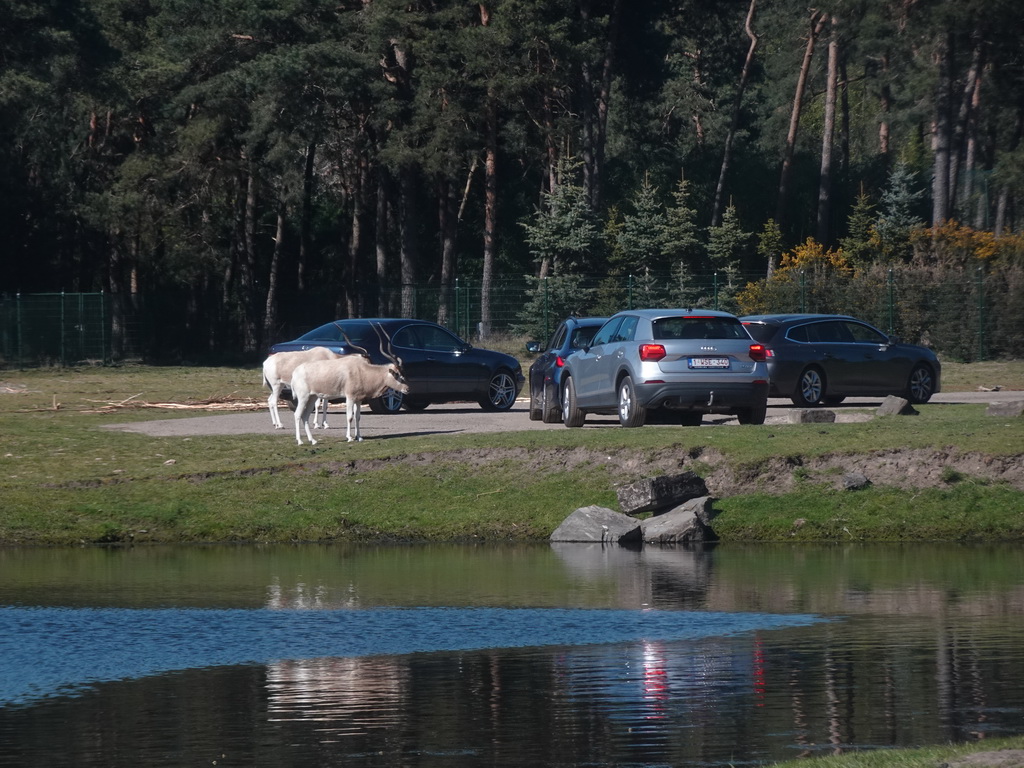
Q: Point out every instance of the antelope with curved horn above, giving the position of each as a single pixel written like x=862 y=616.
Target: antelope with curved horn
x=353 y=377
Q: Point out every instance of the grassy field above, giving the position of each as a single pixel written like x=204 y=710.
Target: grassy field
x=64 y=479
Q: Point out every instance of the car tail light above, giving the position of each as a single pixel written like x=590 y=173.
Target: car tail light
x=559 y=361
x=759 y=353
x=651 y=353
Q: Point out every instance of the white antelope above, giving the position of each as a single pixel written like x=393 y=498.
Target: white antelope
x=353 y=377
x=277 y=374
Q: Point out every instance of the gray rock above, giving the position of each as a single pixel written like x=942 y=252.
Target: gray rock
x=660 y=492
x=598 y=524
x=686 y=524
x=811 y=416
x=896 y=406
x=854 y=481
x=1012 y=409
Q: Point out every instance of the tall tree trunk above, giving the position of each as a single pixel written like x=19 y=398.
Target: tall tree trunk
x=490 y=215
x=716 y=210
x=1003 y=200
x=942 y=138
x=270 y=308
x=381 y=243
x=818 y=20
x=447 y=225
x=306 y=219
x=884 y=107
x=827 y=138
x=962 y=134
x=115 y=284
x=247 y=266
x=353 y=292
x=408 y=253
x=596 y=100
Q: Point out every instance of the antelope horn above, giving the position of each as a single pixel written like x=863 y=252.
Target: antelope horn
x=389 y=353
x=355 y=346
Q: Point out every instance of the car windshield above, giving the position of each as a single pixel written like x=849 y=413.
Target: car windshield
x=698 y=327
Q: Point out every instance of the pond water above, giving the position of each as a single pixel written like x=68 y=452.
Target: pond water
x=570 y=655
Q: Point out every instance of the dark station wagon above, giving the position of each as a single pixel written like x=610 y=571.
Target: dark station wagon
x=823 y=359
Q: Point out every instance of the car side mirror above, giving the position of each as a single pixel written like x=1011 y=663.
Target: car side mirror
x=533 y=347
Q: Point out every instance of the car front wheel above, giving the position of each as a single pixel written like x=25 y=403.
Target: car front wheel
x=571 y=415
x=631 y=412
x=921 y=385
x=810 y=389
x=389 y=402
x=501 y=392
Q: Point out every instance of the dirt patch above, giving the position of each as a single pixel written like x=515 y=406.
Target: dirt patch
x=904 y=469
x=1002 y=758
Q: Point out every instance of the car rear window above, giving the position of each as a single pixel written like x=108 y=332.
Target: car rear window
x=360 y=333
x=760 y=331
x=698 y=327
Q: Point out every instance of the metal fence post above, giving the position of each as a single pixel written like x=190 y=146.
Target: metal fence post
x=714 y=290
x=629 y=292
x=803 y=290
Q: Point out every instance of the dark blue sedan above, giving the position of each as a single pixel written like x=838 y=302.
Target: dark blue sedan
x=439 y=366
x=546 y=371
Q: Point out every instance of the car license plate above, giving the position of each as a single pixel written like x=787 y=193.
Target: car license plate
x=709 y=362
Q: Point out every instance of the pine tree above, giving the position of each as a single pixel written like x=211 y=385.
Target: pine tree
x=898 y=216
x=727 y=244
x=564 y=233
x=858 y=243
x=680 y=238
x=641 y=238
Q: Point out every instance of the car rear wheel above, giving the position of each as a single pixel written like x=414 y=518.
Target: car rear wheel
x=389 y=402
x=810 y=388
x=550 y=410
x=571 y=415
x=831 y=400
x=754 y=415
x=501 y=392
x=921 y=385
x=536 y=405
x=631 y=412
x=415 y=405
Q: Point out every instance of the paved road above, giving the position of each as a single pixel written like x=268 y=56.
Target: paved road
x=464 y=418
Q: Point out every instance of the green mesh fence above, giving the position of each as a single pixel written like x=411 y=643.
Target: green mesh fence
x=964 y=314
x=55 y=329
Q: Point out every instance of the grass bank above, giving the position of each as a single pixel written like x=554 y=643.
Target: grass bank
x=994 y=753
x=64 y=479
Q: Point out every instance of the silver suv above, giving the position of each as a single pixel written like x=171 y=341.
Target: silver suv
x=667 y=366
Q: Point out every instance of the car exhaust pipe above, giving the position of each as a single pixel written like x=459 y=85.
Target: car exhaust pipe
x=711 y=399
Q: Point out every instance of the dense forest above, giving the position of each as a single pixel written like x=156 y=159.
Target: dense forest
x=239 y=166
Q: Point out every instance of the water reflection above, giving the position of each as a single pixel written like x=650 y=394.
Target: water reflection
x=922 y=647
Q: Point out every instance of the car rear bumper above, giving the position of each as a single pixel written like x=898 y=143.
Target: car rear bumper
x=720 y=397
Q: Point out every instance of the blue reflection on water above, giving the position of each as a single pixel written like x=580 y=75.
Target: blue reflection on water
x=56 y=651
